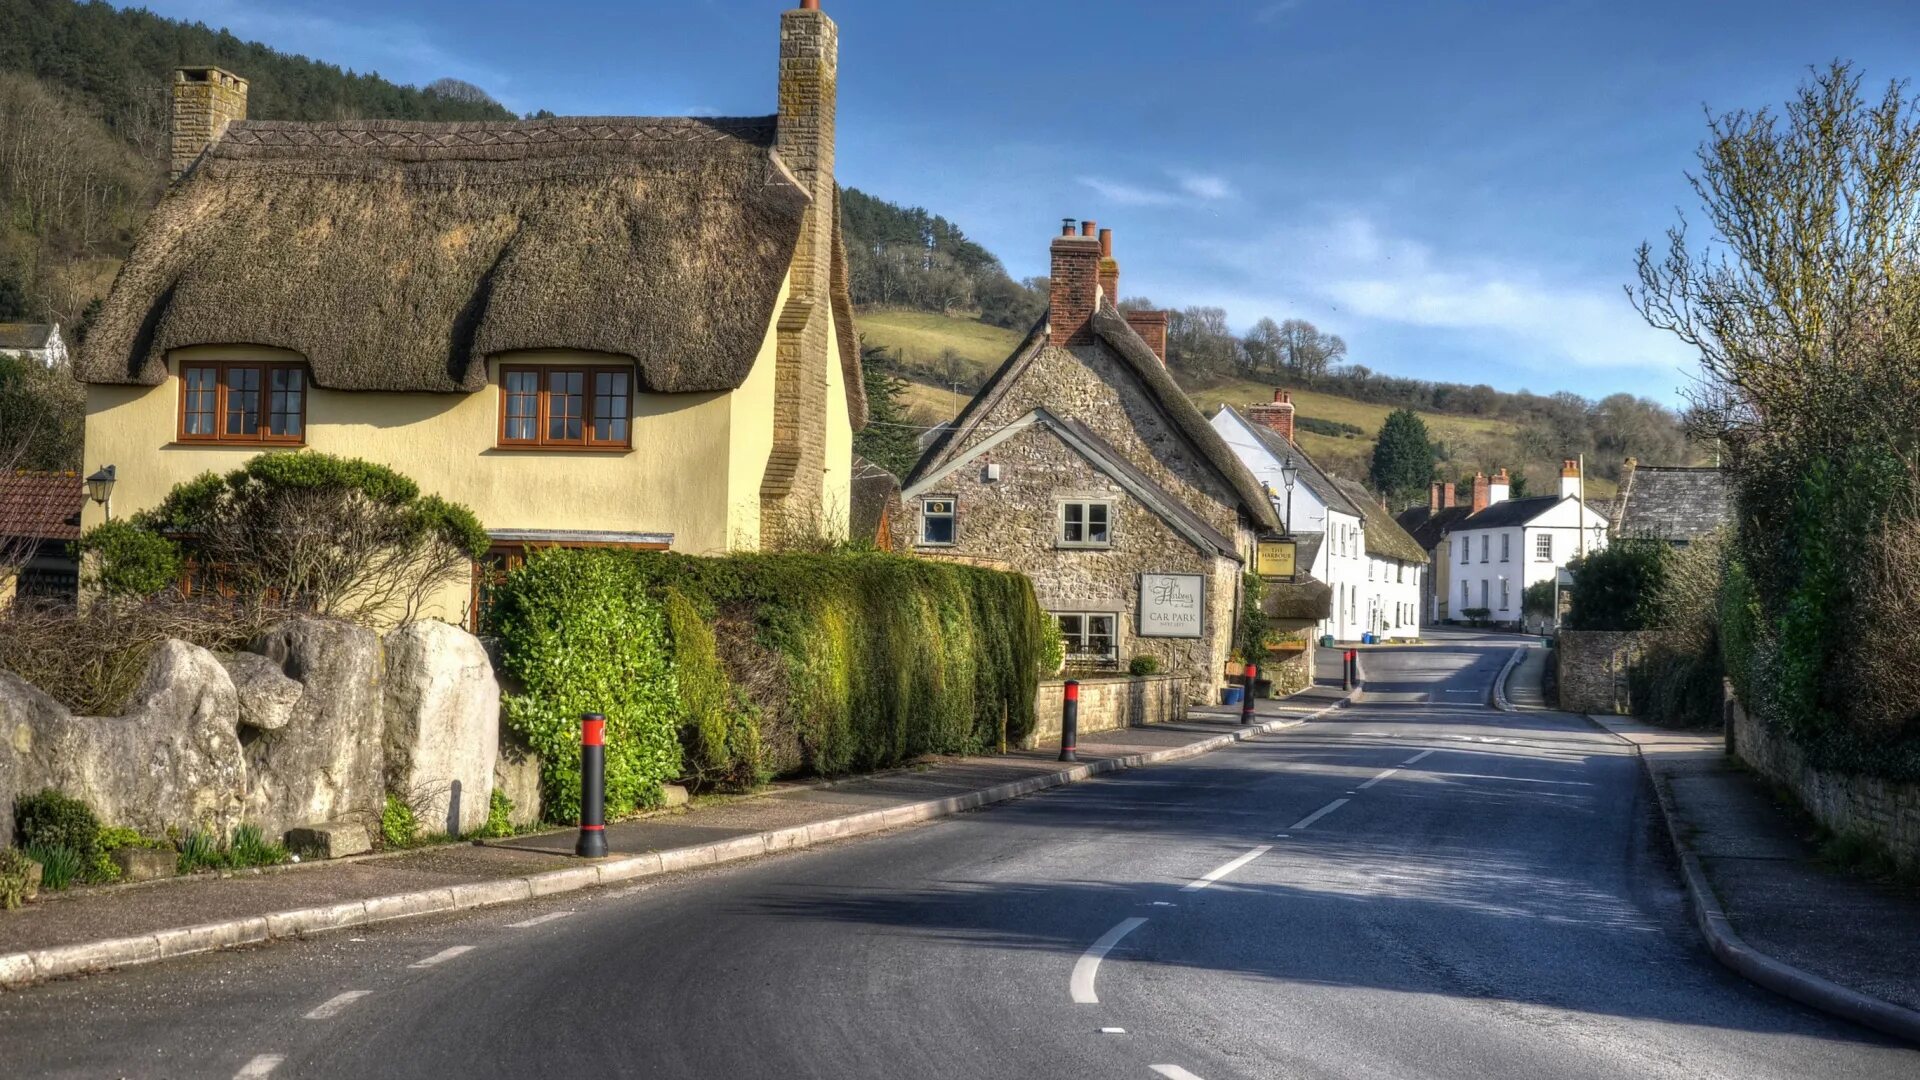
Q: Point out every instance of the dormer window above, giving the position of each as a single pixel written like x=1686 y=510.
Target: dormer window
x=578 y=408
x=243 y=402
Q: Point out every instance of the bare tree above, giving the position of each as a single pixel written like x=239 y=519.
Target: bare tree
x=461 y=91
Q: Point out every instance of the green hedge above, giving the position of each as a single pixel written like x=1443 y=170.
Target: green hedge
x=729 y=671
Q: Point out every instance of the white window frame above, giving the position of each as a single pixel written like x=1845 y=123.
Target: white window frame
x=1466 y=549
x=952 y=516
x=1086 y=517
x=1506 y=595
x=1077 y=643
x=1543 y=547
x=1506 y=547
x=1486 y=548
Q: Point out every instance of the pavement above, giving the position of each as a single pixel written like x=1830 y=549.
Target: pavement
x=1760 y=857
x=1417 y=886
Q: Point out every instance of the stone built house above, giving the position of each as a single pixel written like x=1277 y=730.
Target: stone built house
x=35 y=341
x=1345 y=539
x=1082 y=465
x=1673 y=503
x=602 y=331
x=1506 y=545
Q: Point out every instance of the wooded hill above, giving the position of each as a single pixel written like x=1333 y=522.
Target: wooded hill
x=84 y=108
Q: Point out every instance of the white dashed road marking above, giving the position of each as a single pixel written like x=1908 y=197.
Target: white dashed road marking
x=1201 y=883
x=1088 y=966
x=538 y=919
x=333 y=1005
x=1307 y=822
x=259 y=1066
x=1174 y=1072
x=1417 y=758
x=1379 y=778
x=442 y=956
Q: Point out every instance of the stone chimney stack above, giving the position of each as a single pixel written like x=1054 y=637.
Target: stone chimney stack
x=1278 y=416
x=1500 y=487
x=1481 y=496
x=1109 y=269
x=1446 y=496
x=790 y=490
x=1570 y=478
x=1075 y=286
x=205 y=101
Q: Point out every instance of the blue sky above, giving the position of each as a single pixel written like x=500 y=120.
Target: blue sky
x=1455 y=187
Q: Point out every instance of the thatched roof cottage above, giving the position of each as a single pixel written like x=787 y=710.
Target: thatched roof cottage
x=625 y=331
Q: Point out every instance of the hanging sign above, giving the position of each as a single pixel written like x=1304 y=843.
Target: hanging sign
x=1172 y=605
x=1278 y=558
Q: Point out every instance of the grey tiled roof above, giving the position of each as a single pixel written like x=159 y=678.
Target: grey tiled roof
x=1312 y=476
x=1673 y=503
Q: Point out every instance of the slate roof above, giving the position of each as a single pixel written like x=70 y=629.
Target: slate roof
x=1506 y=515
x=1672 y=503
x=41 y=506
x=1312 y=476
x=1427 y=527
x=873 y=488
x=26 y=335
x=1385 y=538
x=1307 y=548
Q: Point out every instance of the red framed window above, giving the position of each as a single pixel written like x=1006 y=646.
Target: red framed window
x=243 y=402
x=586 y=408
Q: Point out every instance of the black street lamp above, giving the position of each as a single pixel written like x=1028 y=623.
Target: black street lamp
x=1289 y=472
x=100 y=489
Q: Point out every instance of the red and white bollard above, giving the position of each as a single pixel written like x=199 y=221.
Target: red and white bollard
x=593 y=788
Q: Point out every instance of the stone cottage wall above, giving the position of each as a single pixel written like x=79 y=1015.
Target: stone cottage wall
x=1109 y=705
x=1595 y=670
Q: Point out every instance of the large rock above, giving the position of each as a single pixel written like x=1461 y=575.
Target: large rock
x=267 y=696
x=324 y=763
x=517 y=773
x=174 y=758
x=442 y=725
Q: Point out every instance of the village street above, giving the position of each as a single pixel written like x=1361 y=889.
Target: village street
x=1419 y=886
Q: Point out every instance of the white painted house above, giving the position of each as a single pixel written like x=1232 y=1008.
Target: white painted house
x=36 y=341
x=1497 y=552
x=1346 y=540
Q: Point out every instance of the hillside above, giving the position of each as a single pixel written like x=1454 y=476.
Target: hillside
x=934 y=352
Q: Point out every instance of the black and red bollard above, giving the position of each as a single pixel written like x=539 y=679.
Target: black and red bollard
x=1349 y=664
x=593 y=787
x=1070 y=721
x=1246 y=698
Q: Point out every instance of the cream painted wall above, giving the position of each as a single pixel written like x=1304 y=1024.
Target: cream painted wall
x=836 y=487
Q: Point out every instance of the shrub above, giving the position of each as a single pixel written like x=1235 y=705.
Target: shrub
x=1143 y=665
x=398 y=827
x=1053 y=647
x=1251 y=635
x=1616 y=588
x=1538 y=599
x=60 y=865
x=16 y=874
x=250 y=848
x=200 y=851
x=832 y=663
x=53 y=819
x=499 y=815
x=129 y=561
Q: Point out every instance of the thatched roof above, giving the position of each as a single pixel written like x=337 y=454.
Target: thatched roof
x=398 y=255
x=1385 y=538
x=1301 y=602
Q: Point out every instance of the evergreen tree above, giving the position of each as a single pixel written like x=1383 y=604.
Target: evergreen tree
x=890 y=440
x=1403 y=460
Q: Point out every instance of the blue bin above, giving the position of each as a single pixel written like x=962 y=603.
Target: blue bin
x=1366 y=638
x=1233 y=695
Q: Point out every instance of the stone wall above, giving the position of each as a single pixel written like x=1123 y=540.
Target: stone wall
x=1595 y=670
x=1885 y=811
x=1109 y=705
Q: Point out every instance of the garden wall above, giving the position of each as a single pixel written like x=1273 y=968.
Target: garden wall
x=1886 y=811
x=1109 y=705
x=1595 y=670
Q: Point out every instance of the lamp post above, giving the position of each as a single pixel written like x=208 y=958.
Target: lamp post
x=1289 y=472
x=100 y=489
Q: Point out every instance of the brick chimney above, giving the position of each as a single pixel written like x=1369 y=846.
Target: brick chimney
x=1075 y=286
x=1499 y=488
x=1278 y=415
x=205 y=101
x=1570 y=478
x=1481 y=499
x=790 y=489
x=1433 y=497
x=1109 y=269
x=1446 y=496
x=1152 y=328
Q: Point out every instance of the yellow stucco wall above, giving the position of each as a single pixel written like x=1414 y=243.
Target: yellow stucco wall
x=836 y=492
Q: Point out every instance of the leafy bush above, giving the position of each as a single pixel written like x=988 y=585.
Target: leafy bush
x=499 y=815
x=1143 y=665
x=1053 y=647
x=1333 y=429
x=398 y=827
x=1250 y=637
x=60 y=865
x=1538 y=599
x=1616 y=588
x=832 y=663
x=54 y=820
x=16 y=873
x=129 y=561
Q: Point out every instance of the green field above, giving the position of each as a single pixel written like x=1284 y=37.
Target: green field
x=936 y=351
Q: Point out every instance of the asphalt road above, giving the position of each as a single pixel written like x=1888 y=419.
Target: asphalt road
x=1418 y=887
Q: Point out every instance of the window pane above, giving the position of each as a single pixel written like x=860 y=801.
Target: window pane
x=610 y=407
x=1097 y=523
x=1071 y=529
x=1100 y=633
x=243 y=401
x=1073 y=629
x=288 y=402
x=200 y=406
x=523 y=406
x=565 y=406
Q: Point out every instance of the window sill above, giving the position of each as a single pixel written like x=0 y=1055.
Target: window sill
x=529 y=448
x=1062 y=545
x=934 y=544
x=237 y=444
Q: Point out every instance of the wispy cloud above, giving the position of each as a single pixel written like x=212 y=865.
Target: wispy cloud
x=1355 y=268
x=1273 y=12
x=1187 y=187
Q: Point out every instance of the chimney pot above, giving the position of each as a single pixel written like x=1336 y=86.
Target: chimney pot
x=1106 y=243
x=1089 y=227
x=1069 y=226
x=809 y=5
